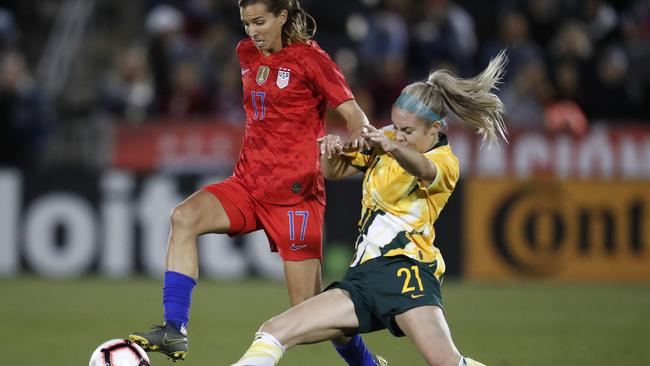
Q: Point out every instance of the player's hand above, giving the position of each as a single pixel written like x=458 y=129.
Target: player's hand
x=356 y=141
x=330 y=145
x=376 y=139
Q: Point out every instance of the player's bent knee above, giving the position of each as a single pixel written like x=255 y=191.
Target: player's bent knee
x=184 y=218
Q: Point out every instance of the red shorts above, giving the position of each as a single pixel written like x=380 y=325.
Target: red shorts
x=295 y=232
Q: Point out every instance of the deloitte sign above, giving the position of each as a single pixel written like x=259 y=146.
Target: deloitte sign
x=114 y=224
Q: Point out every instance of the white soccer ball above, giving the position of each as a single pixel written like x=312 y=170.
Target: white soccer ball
x=119 y=352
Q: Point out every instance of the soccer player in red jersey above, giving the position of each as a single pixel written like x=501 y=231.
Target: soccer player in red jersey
x=277 y=185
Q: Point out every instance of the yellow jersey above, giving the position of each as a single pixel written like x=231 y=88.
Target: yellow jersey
x=398 y=209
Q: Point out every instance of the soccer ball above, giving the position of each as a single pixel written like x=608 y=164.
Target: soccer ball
x=119 y=352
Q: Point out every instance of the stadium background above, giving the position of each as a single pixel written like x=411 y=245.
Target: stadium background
x=112 y=111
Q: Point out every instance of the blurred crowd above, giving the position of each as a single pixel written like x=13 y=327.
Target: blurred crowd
x=25 y=113
x=572 y=62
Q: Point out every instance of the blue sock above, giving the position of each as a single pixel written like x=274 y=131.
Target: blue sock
x=355 y=353
x=177 y=298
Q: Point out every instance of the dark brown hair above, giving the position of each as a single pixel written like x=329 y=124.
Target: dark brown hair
x=297 y=28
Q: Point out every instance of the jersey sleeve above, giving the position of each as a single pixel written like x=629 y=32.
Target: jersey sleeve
x=447 y=173
x=359 y=159
x=327 y=78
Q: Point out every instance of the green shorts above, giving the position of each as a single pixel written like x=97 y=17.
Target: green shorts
x=384 y=287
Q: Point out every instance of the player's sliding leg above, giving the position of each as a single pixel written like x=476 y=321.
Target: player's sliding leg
x=303 y=281
x=200 y=213
x=427 y=328
x=323 y=317
x=265 y=350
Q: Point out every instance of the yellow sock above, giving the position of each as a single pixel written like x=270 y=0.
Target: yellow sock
x=266 y=350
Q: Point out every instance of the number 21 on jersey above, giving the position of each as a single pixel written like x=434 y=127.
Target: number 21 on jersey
x=409 y=285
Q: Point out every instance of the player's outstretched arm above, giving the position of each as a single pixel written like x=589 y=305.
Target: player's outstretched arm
x=411 y=160
x=334 y=167
x=356 y=121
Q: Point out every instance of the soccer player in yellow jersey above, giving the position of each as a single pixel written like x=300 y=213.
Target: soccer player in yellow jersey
x=394 y=279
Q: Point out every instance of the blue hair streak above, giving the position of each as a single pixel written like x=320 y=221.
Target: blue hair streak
x=413 y=104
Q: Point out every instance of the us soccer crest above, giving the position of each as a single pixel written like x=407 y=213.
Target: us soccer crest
x=262 y=74
x=283 y=78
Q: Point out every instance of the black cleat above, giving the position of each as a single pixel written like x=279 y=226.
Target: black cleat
x=164 y=339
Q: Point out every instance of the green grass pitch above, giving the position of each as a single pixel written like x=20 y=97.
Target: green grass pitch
x=60 y=322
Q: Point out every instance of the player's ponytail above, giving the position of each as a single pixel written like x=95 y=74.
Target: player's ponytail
x=472 y=100
x=299 y=27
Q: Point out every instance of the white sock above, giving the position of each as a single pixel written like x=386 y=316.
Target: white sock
x=266 y=350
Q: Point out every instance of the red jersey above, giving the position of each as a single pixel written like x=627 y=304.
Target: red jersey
x=285 y=97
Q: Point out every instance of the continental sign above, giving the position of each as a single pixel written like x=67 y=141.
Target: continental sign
x=557 y=229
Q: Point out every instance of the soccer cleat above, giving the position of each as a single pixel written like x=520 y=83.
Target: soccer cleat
x=379 y=361
x=164 y=339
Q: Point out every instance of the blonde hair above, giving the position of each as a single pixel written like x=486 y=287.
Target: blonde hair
x=297 y=29
x=472 y=100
